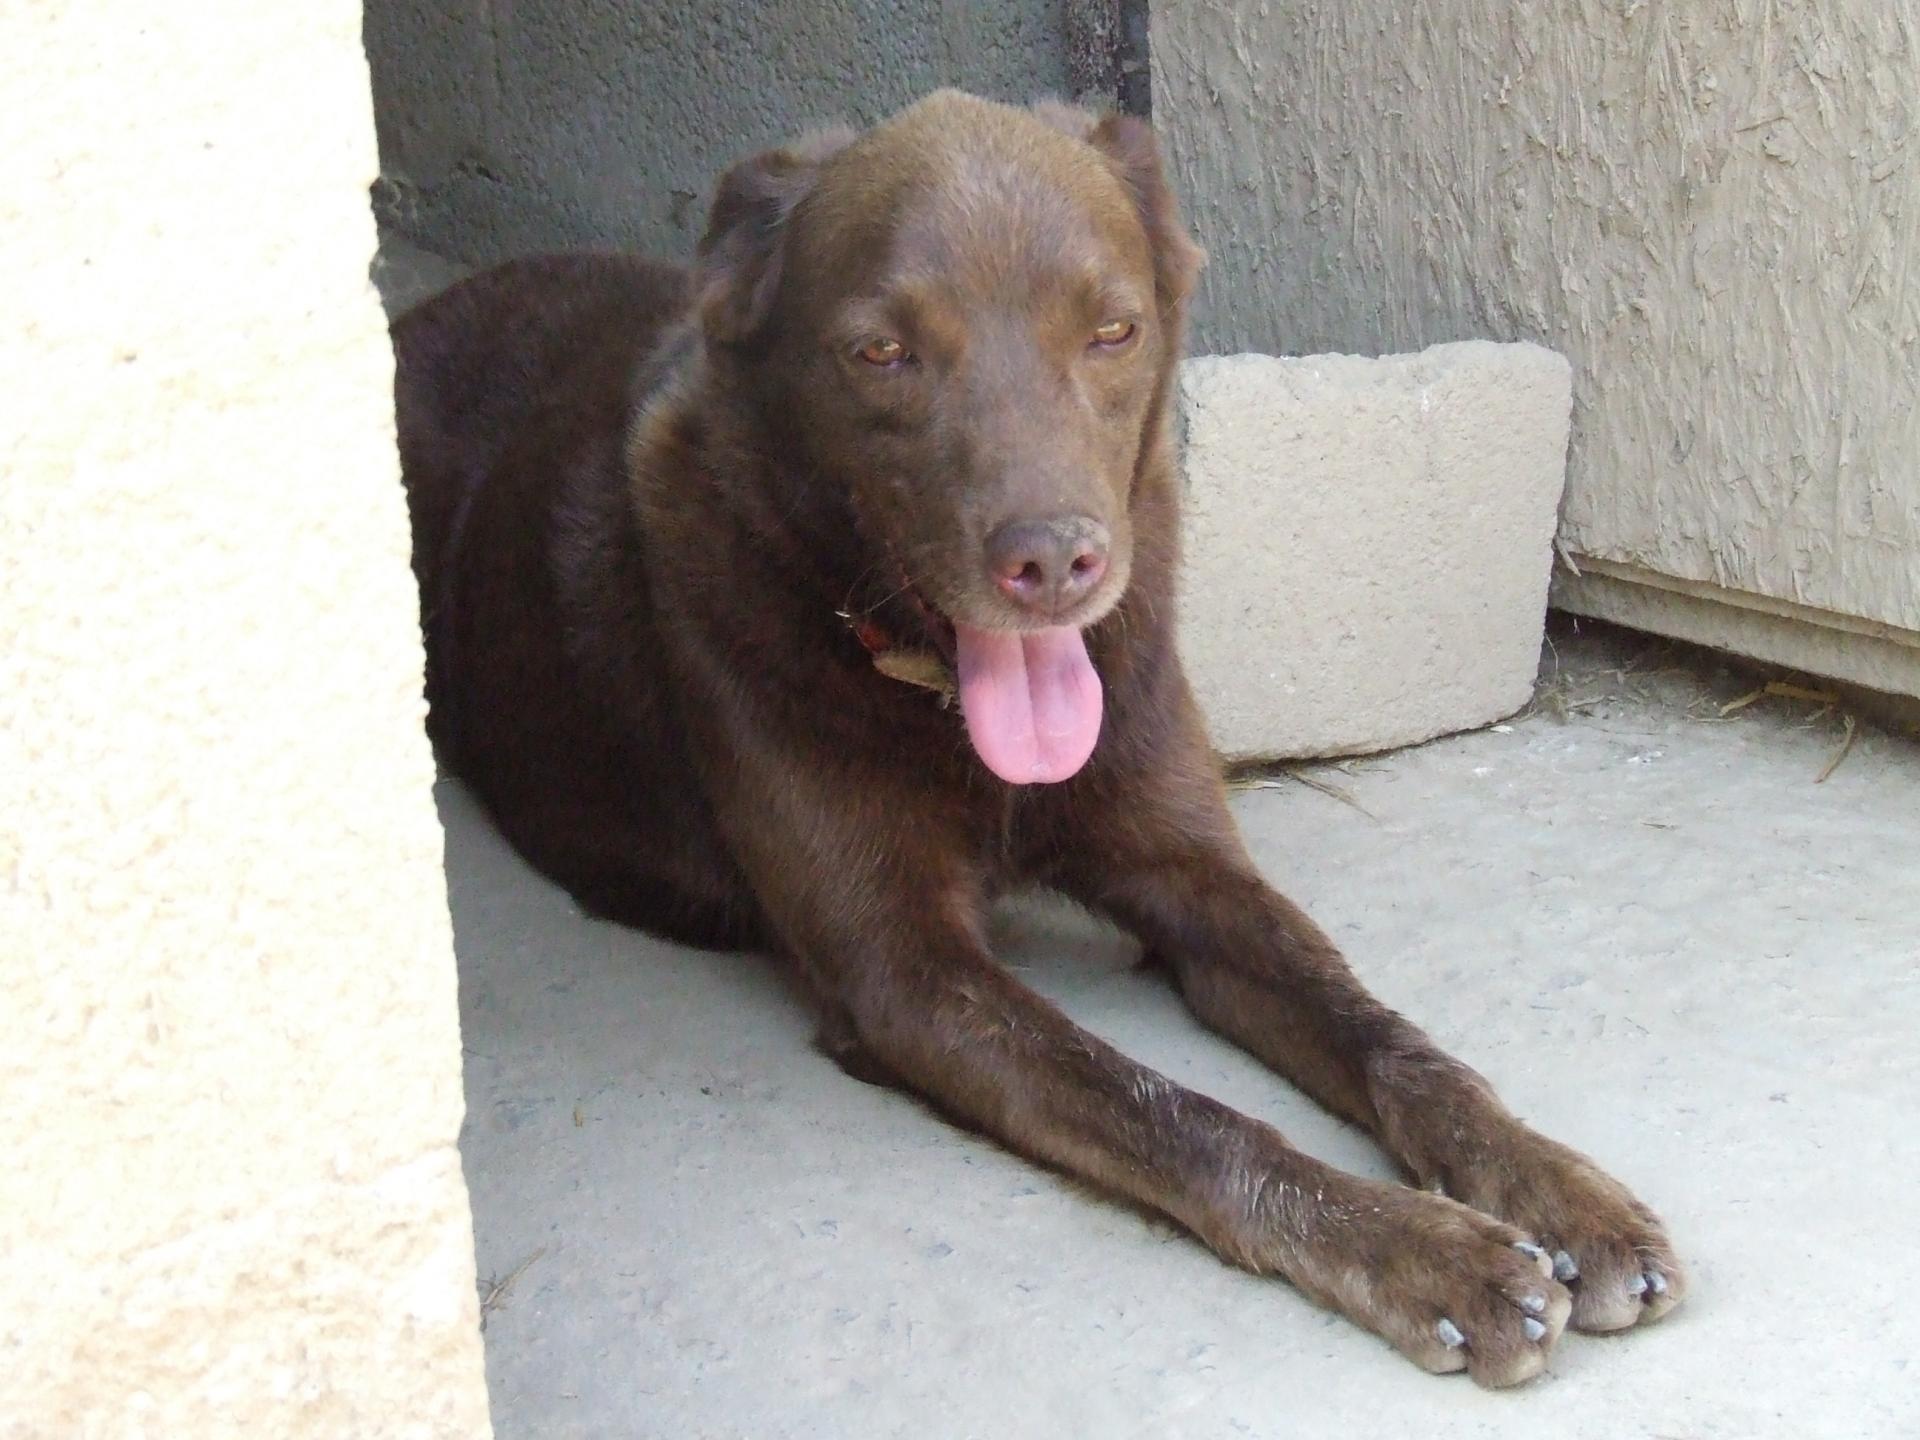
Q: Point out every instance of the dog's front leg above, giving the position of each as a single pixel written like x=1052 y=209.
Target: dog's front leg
x=887 y=930
x=1450 y=1287
x=1255 y=968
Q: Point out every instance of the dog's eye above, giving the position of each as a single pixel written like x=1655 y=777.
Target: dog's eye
x=885 y=352
x=1114 y=333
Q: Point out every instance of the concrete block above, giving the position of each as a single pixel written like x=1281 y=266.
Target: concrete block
x=1368 y=542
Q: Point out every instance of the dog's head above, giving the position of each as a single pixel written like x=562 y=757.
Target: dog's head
x=970 y=314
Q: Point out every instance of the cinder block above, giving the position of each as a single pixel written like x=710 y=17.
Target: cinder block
x=1368 y=542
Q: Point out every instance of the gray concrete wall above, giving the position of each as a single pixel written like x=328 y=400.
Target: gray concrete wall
x=1709 y=208
x=561 y=123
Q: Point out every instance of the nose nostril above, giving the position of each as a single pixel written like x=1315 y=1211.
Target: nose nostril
x=1022 y=579
x=1046 y=564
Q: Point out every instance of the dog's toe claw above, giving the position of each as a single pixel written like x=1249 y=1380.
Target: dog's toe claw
x=1532 y=1328
x=1638 y=1285
x=1449 y=1333
x=1565 y=1267
x=1656 y=1282
x=1534 y=1253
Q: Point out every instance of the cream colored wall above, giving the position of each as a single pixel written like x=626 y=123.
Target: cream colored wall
x=1710 y=208
x=231 y=1075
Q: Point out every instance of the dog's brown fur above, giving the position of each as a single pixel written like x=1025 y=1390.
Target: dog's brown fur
x=648 y=504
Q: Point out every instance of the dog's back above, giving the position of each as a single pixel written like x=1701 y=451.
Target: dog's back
x=513 y=391
x=477 y=369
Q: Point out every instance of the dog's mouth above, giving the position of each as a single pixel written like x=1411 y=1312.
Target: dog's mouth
x=1031 y=698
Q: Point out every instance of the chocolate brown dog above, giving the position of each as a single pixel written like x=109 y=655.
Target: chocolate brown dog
x=704 y=558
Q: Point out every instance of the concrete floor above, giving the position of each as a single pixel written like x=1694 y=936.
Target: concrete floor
x=1645 y=922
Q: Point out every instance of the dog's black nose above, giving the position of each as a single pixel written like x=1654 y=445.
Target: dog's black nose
x=1047 y=565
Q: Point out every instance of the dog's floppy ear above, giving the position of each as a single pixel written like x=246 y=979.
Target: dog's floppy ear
x=1130 y=148
x=738 y=263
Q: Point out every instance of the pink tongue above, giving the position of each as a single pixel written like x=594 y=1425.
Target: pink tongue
x=1032 y=701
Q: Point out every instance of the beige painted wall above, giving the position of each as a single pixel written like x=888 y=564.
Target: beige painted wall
x=1711 y=208
x=231 y=1078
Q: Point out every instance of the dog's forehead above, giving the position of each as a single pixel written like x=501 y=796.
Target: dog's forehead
x=985 y=196
x=993 y=233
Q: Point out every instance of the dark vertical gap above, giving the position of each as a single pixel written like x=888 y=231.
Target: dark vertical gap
x=1132 y=62
x=1107 y=54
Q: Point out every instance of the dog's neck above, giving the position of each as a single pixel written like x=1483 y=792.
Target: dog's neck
x=796 y=519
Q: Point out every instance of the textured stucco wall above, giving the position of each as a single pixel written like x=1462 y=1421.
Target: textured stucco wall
x=231 y=1076
x=562 y=123
x=1710 y=208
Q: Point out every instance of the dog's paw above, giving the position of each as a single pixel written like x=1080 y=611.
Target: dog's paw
x=1448 y=1287
x=1607 y=1248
